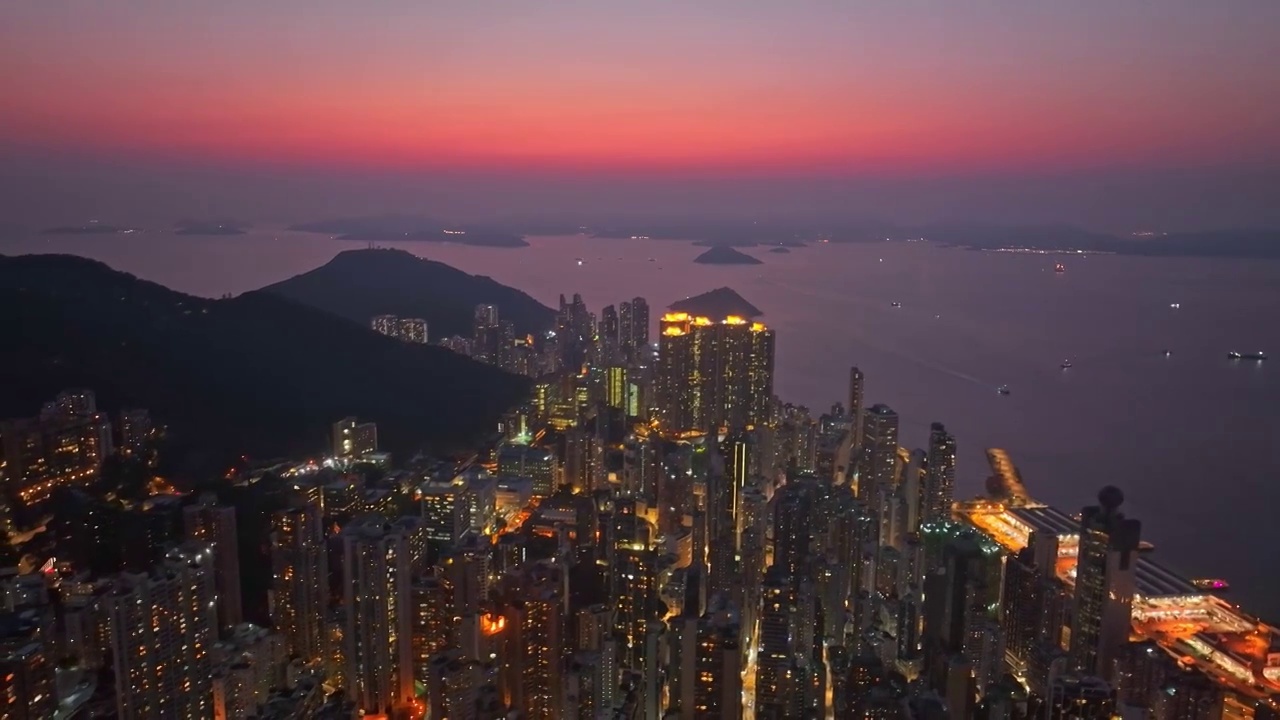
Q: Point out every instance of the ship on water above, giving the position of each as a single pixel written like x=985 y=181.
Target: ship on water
x=1059 y=268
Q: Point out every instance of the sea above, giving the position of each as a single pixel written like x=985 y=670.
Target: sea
x=1150 y=404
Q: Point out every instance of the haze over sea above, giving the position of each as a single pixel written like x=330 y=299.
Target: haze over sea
x=1192 y=438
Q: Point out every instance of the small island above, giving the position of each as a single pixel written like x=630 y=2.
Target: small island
x=410 y=229
x=780 y=250
x=208 y=228
x=92 y=228
x=725 y=255
x=721 y=302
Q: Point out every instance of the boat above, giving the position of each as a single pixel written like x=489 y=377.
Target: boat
x=1003 y=390
x=897 y=304
x=1059 y=268
x=1233 y=355
x=1065 y=364
x=1175 y=306
x=1211 y=584
x=1167 y=353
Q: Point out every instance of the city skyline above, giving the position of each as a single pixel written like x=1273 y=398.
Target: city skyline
x=388 y=360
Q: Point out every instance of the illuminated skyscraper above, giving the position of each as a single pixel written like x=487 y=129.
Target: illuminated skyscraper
x=617 y=388
x=635 y=597
x=773 y=679
x=386 y=324
x=626 y=323
x=857 y=393
x=377 y=633
x=1105 y=584
x=542 y=650
x=62 y=447
x=940 y=475
x=640 y=326
x=714 y=373
x=352 y=438
x=574 y=332
x=27 y=690
x=879 y=454
x=413 y=330
x=486 y=335
x=162 y=627
x=300 y=580
x=215 y=525
x=610 y=327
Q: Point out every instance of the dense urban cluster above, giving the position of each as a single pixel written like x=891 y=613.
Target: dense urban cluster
x=653 y=535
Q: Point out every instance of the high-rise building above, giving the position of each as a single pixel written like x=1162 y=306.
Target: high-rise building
x=432 y=622
x=444 y=509
x=939 y=475
x=610 y=327
x=879 y=454
x=640 y=324
x=960 y=616
x=388 y=325
x=616 y=388
x=574 y=333
x=705 y=675
x=300 y=580
x=773 y=681
x=413 y=330
x=1076 y=697
x=27 y=689
x=542 y=646
x=162 y=627
x=714 y=373
x=486 y=335
x=486 y=315
x=377 y=574
x=135 y=428
x=1105 y=584
x=352 y=438
x=635 y=597
x=64 y=446
x=626 y=333
x=215 y=525
x=857 y=401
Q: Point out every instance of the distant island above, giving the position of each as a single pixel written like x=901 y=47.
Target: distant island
x=92 y=228
x=725 y=255
x=208 y=228
x=779 y=250
x=410 y=229
x=1226 y=243
x=719 y=303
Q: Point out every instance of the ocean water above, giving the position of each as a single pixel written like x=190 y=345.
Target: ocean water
x=1192 y=438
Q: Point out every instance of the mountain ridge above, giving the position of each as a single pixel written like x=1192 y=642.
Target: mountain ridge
x=359 y=284
x=256 y=375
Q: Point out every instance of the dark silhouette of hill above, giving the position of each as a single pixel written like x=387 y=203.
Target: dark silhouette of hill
x=257 y=374
x=359 y=284
x=718 y=303
x=725 y=255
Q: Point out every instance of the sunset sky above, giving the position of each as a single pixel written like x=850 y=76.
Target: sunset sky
x=890 y=88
